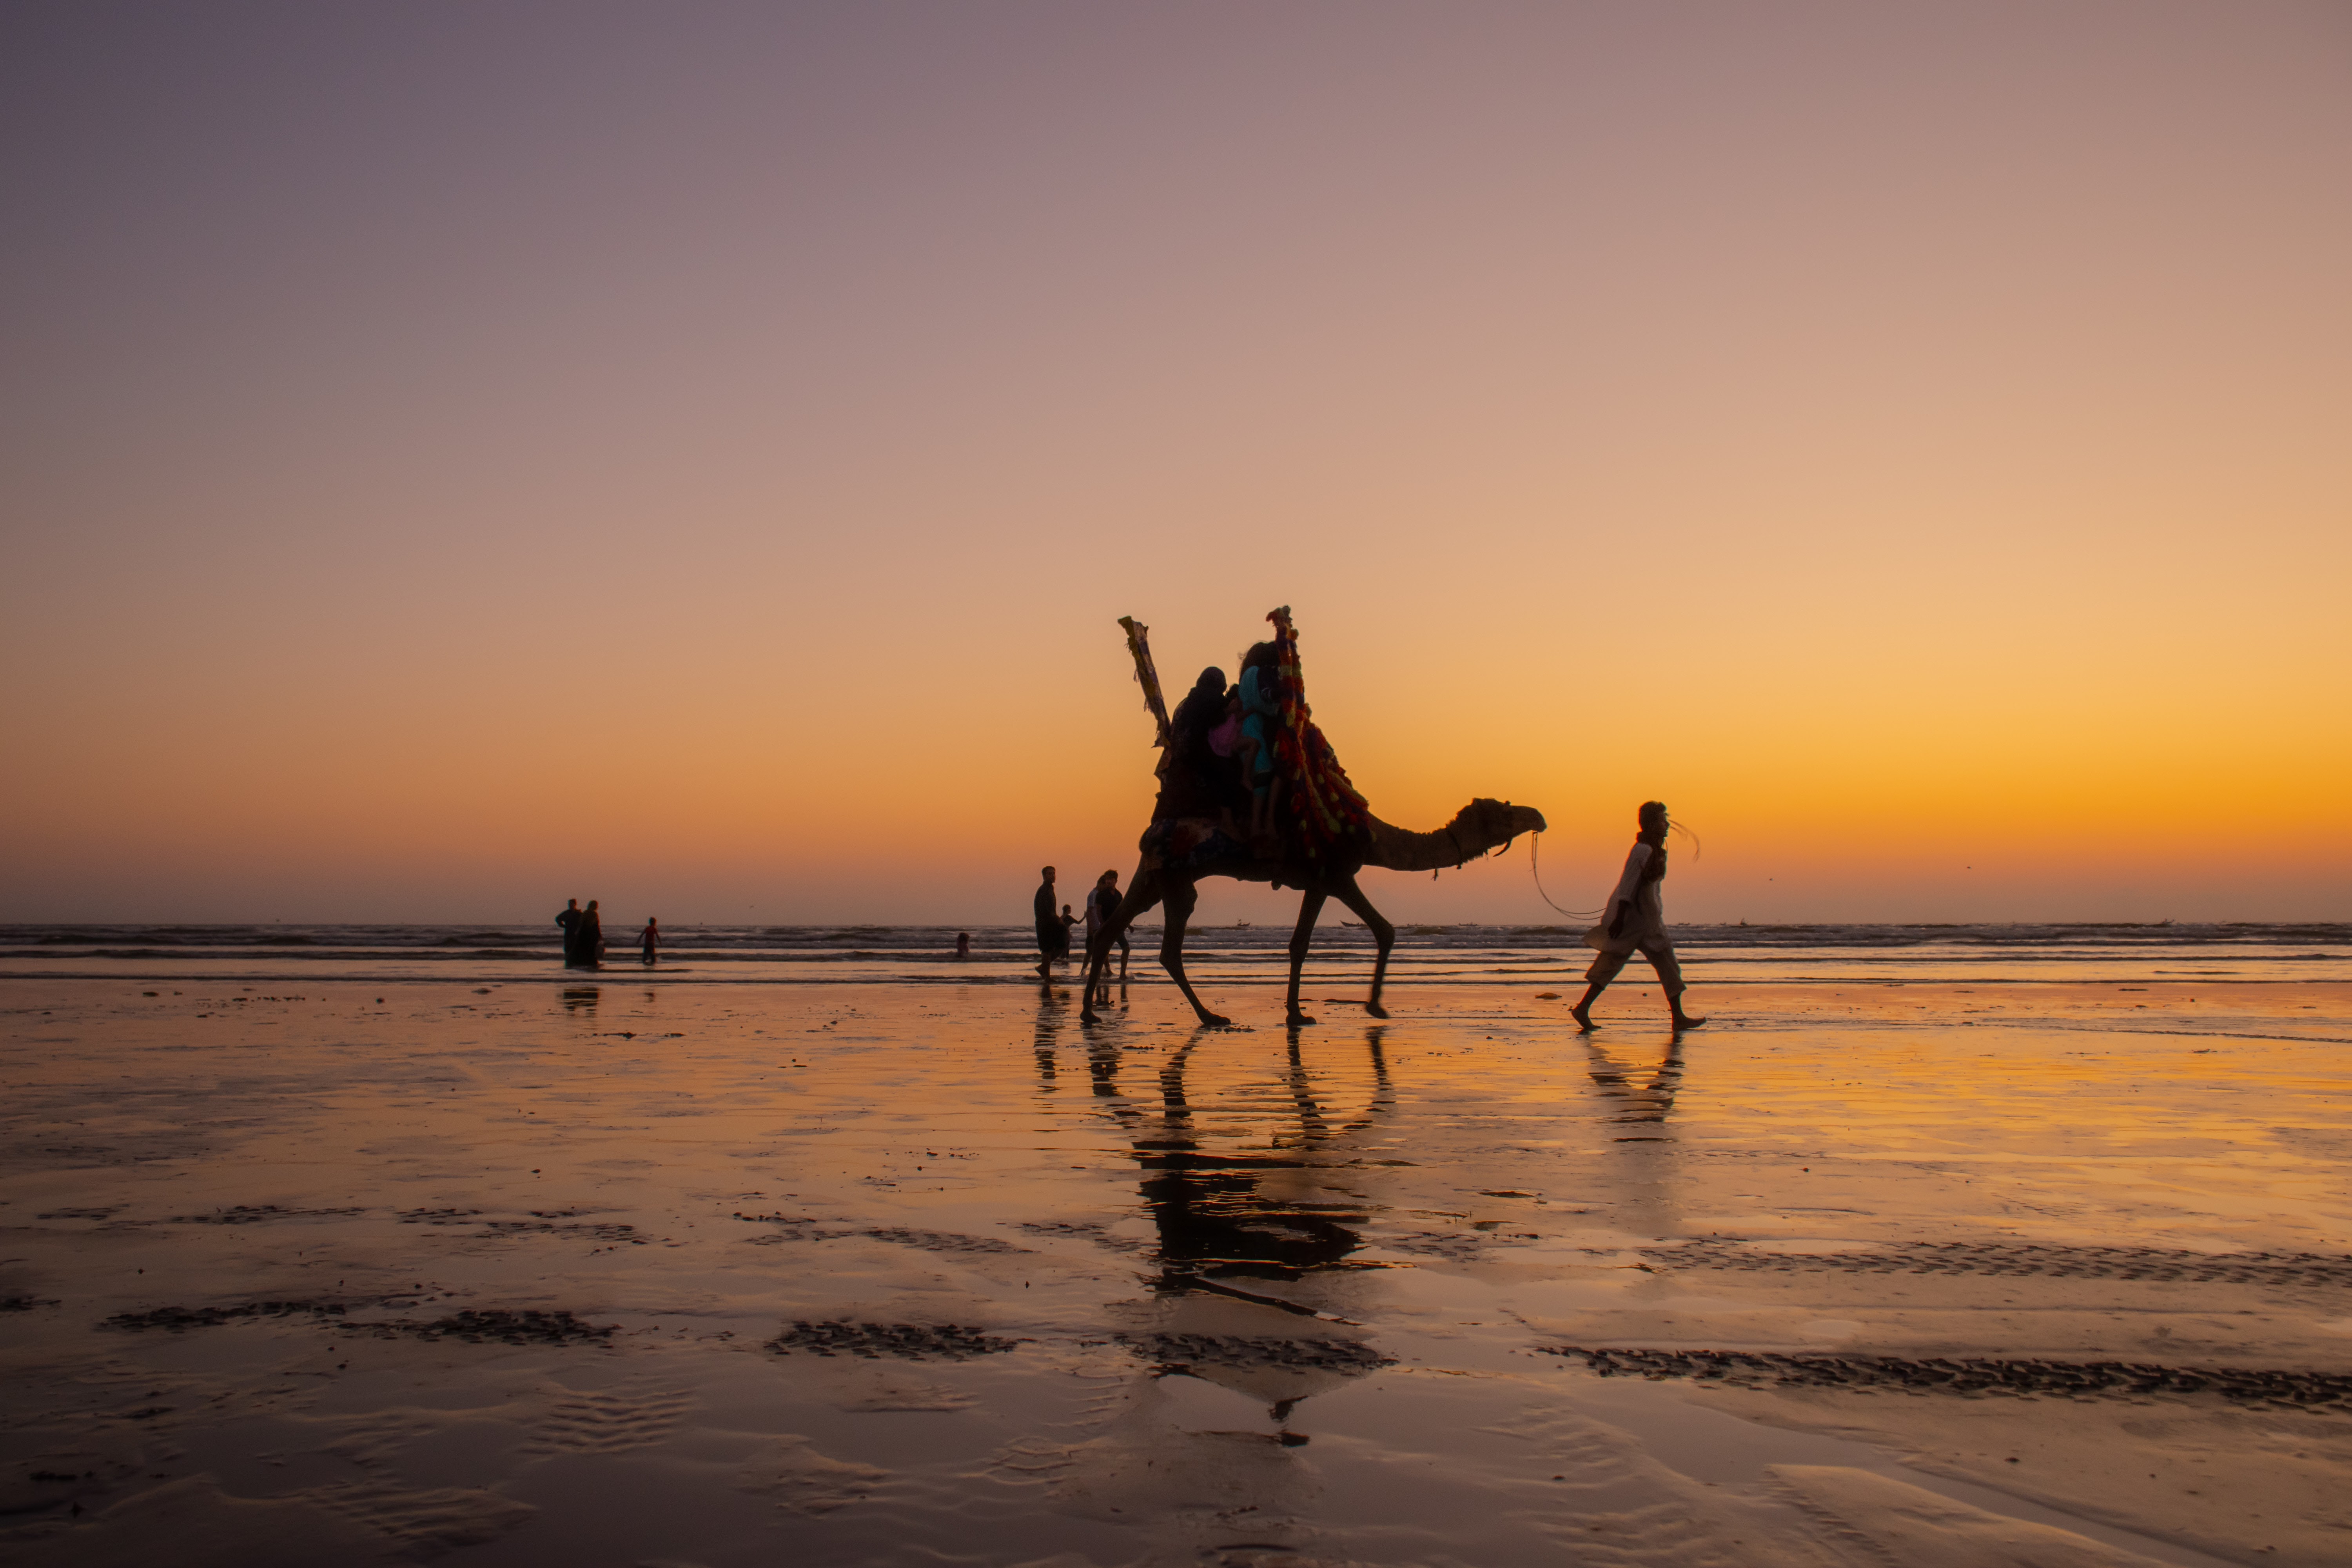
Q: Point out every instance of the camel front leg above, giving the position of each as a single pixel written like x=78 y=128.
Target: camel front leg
x=1310 y=906
x=1383 y=932
x=1142 y=892
x=1179 y=899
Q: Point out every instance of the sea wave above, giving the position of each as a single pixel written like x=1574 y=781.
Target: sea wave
x=1457 y=953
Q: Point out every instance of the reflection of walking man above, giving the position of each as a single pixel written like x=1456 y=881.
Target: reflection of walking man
x=1636 y=920
x=1052 y=936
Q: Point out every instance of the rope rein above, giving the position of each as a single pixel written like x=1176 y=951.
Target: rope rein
x=1534 y=868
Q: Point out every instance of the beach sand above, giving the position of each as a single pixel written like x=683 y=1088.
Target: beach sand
x=628 y=1270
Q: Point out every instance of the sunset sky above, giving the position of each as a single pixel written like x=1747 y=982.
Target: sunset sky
x=457 y=456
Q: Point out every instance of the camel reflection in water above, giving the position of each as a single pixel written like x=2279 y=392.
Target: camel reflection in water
x=1254 y=1261
x=1216 y=1218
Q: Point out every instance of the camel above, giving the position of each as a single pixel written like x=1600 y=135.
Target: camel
x=1324 y=835
x=1476 y=828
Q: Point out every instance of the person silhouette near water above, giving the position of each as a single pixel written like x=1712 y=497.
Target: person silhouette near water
x=1052 y=936
x=568 y=922
x=1102 y=903
x=650 y=938
x=1634 y=920
x=964 y=946
x=588 y=950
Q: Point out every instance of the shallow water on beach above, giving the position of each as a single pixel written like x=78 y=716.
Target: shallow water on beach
x=1227 y=954
x=619 y=1268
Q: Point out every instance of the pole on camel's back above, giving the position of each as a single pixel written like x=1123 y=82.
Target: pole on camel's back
x=1139 y=643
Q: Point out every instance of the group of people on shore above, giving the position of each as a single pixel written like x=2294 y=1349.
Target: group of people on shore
x=1054 y=926
x=583 y=936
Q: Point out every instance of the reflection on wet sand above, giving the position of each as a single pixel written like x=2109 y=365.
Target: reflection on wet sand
x=1047 y=1034
x=718 y=1276
x=1254 y=1286
x=1217 y=1220
x=1640 y=1158
x=1231 y=1219
x=1645 y=1104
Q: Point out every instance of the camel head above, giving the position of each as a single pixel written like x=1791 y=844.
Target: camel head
x=1496 y=822
x=1480 y=826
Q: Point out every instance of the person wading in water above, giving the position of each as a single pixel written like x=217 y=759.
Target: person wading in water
x=1636 y=920
x=1101 y=904
x=590 y=951
x=1052 y=936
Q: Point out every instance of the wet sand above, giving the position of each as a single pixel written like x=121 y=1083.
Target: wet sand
x=641 y=1271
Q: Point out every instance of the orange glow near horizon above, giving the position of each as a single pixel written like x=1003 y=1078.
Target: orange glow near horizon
x=1913 y=447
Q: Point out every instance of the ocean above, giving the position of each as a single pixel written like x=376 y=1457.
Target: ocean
x=1228 y=955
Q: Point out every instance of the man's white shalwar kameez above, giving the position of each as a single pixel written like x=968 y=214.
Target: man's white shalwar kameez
x=1645 y=929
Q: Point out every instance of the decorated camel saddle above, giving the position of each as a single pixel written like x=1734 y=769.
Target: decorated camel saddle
x=1318 y=814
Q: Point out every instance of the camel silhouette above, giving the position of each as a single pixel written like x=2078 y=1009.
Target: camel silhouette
x=1181 y=849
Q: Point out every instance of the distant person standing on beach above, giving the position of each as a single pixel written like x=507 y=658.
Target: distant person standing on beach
x=589 y=950
x=964 y=946
x=650 y=938
x=1052 y=936
x=568 y=922
x=1636 y=920
x=1102 y=903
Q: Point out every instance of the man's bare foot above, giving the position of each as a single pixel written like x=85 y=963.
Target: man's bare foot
x=1684 y=1021
x=1583 y=1017
x=1299 y=1020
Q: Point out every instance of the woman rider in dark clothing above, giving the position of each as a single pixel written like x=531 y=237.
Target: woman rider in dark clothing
x=1200 y=782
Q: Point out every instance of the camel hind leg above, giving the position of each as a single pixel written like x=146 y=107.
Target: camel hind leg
x=1142 y=892
x=1383 y=932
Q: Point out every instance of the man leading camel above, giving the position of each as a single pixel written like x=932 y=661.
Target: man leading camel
x=1636 y=919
